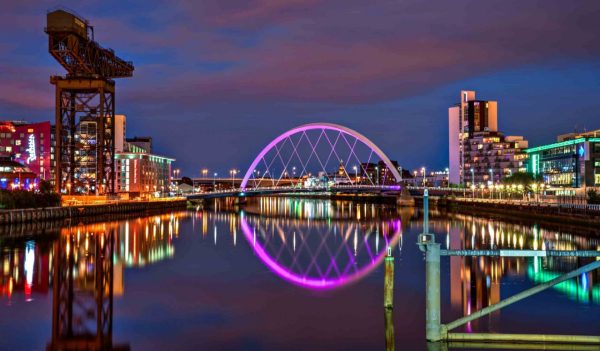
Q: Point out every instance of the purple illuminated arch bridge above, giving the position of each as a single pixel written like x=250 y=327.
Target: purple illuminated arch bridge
x=318 y=254
x=319 y=154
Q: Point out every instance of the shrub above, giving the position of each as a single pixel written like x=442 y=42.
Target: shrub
x=27 y=199
x=593 y=197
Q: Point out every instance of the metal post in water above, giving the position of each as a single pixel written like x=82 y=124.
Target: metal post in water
x=432 y=293
x=426 y=212
x=427 y=244
x=388 y=286
x=390 y=342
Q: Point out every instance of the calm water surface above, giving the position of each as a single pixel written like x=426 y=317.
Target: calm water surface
x=283 y=274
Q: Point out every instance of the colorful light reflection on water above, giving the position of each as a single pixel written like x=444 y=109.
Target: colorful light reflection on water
x=198 y=261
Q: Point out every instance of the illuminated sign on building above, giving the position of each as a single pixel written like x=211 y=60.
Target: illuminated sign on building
x=31 y=149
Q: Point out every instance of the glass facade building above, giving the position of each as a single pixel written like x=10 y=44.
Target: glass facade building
x=570 y=163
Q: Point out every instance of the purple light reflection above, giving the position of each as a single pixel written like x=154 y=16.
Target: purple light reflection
x=310 y=282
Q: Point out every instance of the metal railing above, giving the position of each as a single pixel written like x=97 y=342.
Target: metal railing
x=437 y=331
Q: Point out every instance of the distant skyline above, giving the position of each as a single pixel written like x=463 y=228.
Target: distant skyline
x=215 y=81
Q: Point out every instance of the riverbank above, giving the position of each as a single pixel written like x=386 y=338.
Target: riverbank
x=551 y=213
x=85 y=211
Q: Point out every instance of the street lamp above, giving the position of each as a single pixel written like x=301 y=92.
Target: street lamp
x=377 y=170
x=400 y=171
x=424 y=175
x=492 y=174
x=355 y=173
x=214 y=181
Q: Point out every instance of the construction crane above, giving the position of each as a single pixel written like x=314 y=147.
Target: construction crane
x=85 y=105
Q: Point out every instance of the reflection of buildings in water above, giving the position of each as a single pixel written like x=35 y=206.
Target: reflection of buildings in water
x=147 y=240
x=307 y=208
x=475 y=281
x=83 y=287
x=25 y=268
x=82 y=299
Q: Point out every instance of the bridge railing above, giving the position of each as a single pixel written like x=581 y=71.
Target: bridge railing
x=297 y=189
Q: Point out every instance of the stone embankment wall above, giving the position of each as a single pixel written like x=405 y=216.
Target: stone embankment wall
x=58 y=213
x=577 y=214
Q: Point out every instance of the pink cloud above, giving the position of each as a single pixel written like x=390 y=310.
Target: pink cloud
x=354 y=52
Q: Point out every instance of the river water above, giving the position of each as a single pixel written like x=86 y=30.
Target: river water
x=280 y=274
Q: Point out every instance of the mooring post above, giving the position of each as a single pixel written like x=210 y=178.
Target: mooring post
x=390 y=342
x=432 y=292
x=427 y=244
x=388 y=285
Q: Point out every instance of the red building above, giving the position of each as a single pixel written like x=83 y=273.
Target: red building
x=29 y=144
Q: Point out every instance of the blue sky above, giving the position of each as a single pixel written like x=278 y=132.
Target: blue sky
x=215 y=81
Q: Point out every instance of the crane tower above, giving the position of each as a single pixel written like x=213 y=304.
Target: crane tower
x=85 y=105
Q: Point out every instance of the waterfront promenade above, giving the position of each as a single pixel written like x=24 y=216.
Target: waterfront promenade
x=82 y=209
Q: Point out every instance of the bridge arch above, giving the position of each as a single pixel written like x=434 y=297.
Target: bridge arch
x=345 y=131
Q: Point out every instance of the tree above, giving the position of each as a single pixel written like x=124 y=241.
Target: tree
x=593 y=197
x=522 y=178
x=46 y=187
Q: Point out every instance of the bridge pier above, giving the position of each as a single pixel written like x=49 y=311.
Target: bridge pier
x=404 y=199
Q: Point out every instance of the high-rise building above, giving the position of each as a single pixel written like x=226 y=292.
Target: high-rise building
x=478 y=152
x=120 y=132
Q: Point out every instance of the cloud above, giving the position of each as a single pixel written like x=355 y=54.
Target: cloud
x=353 y=52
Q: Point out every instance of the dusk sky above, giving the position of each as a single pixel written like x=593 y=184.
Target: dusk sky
x=215 y=81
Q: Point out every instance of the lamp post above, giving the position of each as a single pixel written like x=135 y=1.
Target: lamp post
x=424 y=179
x=377 y=170
x=355 y=173
x=400 y=172
x=215 y=181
